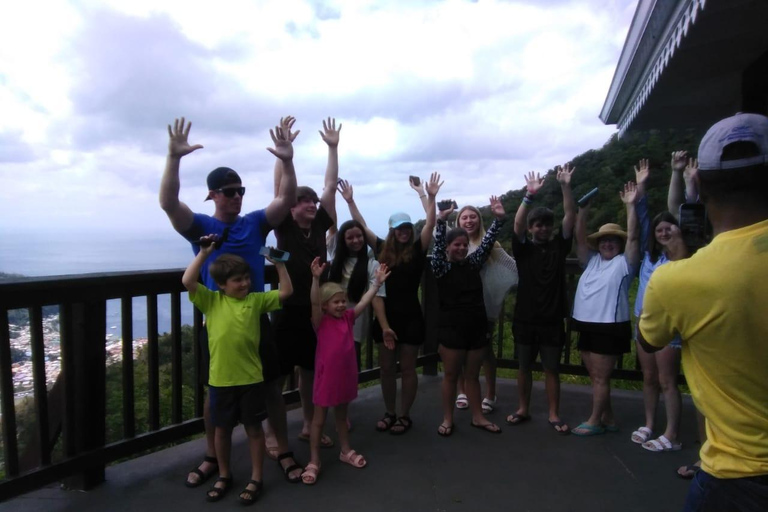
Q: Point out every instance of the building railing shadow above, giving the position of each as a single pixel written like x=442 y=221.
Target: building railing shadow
x=67 y=438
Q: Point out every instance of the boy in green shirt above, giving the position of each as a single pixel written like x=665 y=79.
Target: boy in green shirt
x=236 y=382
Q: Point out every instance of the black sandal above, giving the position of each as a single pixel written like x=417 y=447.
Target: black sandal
x=388 y=420
x=292 y=467
x=217 y=493
x=251 y=495
x=203 y=477
x=401 y=426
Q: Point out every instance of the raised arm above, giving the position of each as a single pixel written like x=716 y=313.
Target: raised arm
x=421 y=192
x=317 y=269
x=642 y=172
x=189 y=279
x=564 y=175
x=180 y=215
x=284 y=280
x=345 y=189
x=675 y=194
x=439 y=261
x=691 y=186
x=533 y=183
x=432 y=188
x=285 y=193
x=382 y=273
x=632 y=248
x=330 y=135
x=479 y=257
x=580 y=235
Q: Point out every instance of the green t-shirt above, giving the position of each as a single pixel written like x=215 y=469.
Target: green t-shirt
x=233 y=334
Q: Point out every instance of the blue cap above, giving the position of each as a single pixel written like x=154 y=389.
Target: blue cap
x=398 y=219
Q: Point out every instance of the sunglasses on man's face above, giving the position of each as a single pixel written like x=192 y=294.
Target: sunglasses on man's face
x=230 y=192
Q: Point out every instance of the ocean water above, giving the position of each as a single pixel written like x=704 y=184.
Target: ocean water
x=36 y=255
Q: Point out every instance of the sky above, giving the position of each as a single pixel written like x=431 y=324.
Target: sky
x=481 y=92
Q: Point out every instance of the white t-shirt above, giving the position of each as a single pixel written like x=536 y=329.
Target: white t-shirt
x=603 y=292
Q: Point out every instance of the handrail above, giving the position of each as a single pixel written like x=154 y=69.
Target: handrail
x=68 y=440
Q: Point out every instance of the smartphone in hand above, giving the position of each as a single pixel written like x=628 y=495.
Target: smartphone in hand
x=414 y=180
x=446 y=204
x=693 y=225
x=587 y=197
x=275 y=254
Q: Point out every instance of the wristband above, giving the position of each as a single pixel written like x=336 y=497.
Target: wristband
x=527 y=200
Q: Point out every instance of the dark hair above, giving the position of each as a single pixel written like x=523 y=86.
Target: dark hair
x=455 y=233
x=359 y=278
x=746 y=187
x=226 y=266
x=654 y=249
x=541 y=214
x=393 y=252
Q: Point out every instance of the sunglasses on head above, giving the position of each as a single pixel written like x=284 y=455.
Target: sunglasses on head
x=230 y=192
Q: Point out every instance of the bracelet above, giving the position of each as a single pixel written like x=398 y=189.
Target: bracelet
x=527 y=200
x=422 y=196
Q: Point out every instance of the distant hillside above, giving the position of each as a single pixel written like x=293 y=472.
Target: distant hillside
x=21 y=316
x=607 y=168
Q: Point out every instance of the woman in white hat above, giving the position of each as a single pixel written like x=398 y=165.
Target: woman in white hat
x=601 y=315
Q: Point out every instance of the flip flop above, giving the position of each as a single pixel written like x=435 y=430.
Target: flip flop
x=445 y=430
x=560 y=427
x=310 y=474
x=488 y=427
x=325 y=441
x=516 y=419
x=588 y=430
x=611 y=428
x=462 y=402
x=353 y=458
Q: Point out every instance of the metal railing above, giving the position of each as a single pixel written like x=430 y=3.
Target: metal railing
x=67 y=440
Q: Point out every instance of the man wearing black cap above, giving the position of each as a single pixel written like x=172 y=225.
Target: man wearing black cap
x=716 y=302
x=244 y=236
x=303 y=235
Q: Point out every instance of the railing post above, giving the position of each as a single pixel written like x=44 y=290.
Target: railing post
x=88 y=379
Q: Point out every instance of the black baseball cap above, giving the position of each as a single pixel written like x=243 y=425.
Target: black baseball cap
x=220 y=177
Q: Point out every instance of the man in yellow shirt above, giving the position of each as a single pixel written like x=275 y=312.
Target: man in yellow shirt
x=716 y=302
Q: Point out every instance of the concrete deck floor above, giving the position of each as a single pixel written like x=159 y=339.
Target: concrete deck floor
x=526 y=468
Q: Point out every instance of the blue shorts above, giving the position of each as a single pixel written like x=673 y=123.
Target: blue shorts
x=710 y=494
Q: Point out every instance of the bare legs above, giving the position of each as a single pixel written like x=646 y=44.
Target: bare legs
x=660 y=372
x=276 y=427
x=599 y=367
x=489 y=370
x=410 y=382
x=205 y=467
x=452 y=362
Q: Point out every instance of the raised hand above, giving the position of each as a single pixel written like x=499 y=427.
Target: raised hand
x=330 y=133
x=382 y=273
x=418 y=188
x=564 y=174
x=317 y=268
x=533 y=182
x=207 y=243
x=283 y=143
x=629 y=194
x=286 y=123
x=642 y=171
x=345 y=189
x=497 y=208
x=691 y=168
x=679 y=160
x=434 y=184
x=177 y=143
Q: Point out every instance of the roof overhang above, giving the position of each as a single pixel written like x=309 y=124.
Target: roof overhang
x=683 y=63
